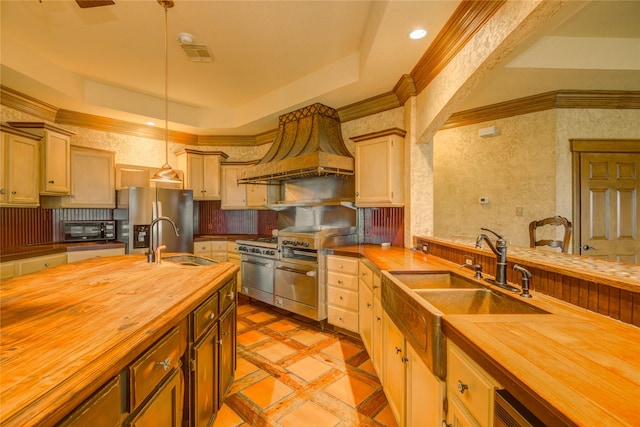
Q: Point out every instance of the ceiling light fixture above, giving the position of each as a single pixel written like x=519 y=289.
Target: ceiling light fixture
x=418 y=34
x=166 y=173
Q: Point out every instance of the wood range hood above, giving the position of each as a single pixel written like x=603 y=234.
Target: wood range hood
x=308 y=144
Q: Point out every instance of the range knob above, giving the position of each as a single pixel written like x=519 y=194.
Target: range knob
x=271 y=252
x=306 y=244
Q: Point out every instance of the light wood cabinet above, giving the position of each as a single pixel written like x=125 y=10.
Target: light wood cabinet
x=19 y=178
x=35 y=264
x=233 y=256
x=370 y=313
x=470 y=388
x=214 y=249
x=165 y=405
x=393 y=370
x=201 y=172
x=92 y=181
x=425 y=393
x=55 y=155
x=342 y=292
x=379 y=171
x=140 y=176
x=75 y=256
x=243 y=196
x=8 y=270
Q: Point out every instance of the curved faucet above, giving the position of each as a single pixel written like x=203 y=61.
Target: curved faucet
x=500 y=250
x=151 y=255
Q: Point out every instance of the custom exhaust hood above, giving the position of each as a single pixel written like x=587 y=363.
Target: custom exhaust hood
x=308 y=144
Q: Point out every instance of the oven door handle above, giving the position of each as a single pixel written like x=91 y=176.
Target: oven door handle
x=262 y=264
x=295 y=270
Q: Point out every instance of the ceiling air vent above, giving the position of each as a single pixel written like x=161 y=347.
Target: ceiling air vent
x=198 y=52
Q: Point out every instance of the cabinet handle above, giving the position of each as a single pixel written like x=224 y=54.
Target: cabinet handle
x=230 y=295
x=341 y=319
x=368 y=305
x=224 y=333
x=405 y=359
x=3 y=191
x=51 y=181
x=364 y=274
x=398 y=350
x=462 y=387
x=375 y=287
x=357 y=193
x=46 y=264
x=211 y=316
x=378 y=318
x=14 y=192
x=165 y=364
x=340 y=266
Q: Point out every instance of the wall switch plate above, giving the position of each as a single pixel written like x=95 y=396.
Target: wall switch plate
x=483 y=200
x=469 y=259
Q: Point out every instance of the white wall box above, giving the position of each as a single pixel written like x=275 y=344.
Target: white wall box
x=380 y=168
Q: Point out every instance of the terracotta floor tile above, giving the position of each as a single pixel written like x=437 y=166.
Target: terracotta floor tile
x=350 y=390
x=260 y=316
x=282 y=325
x=309 y=338
x=267 y=392
x=245 y=308
x=342 y=350
x=244 y=367
x=227 y=418
x=386 y=417
x=309 y=368
x=250 y=338
x=367 y=366
x=309 y=414
x=276 y=351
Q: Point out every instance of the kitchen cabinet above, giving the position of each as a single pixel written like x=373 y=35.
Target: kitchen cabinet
x=8 y=270
x=379 y=171
x=101 y=410
x=165 y=405
x=55 y=156
x=201 y=172
x=370 y=312
x=214 y=249
x=19 y=178
x=342 y=292
x=140 y=176
x=243 y=196
x=227 y=342
x=75 y=256
x=92 y=181
x=393 y=370
x=233 y=256
x=39 y=263
x=470 y=389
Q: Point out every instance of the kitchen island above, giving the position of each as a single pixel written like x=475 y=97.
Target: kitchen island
x=571 y=366
x=70 y=330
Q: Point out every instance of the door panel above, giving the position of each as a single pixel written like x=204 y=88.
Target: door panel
x=609 y=206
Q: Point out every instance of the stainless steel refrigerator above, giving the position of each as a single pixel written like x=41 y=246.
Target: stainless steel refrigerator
x=138 y=206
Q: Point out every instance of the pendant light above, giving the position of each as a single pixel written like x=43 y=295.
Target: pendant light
x=166 y=173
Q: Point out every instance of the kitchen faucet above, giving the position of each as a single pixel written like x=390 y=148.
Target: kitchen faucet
x=500 y=250
x=151 y=255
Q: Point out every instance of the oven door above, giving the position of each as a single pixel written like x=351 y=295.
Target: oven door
x=257 y=278
x=296 y=288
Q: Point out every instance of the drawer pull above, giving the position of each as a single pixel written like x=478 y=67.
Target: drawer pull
x=340 y=266
x=378 y=318
x=398 y=350
x=230 y=295
x=46 y=264
x=341 y=297
x=211 y=316
x=375 y=286
x=51 y=181
x=165 y=364
x=368 y=305
x=340 y=282
x=405 y=359
x=462 y=387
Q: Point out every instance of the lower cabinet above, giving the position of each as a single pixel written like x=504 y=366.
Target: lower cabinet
x=93 y=253
x=342 y=292
x=370 y=313
x=101 y=410
x=393 y=370
x=35 y=264
x=164 y=408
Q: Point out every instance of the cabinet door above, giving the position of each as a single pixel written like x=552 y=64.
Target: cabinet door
x=195 y=175
x=165 y=406
x=227 y=349
x=92 y=179
x=425 y=393
x=234 y=195
x=393 y=370
x=365 y=315
x=204 y=379
x=373 y=181
x=22 y=167
x=458 y=416
x=100 y=410
x=377 y=336
x=33 y=265
x=211 y=177
x=56 y=176
x=256 y=195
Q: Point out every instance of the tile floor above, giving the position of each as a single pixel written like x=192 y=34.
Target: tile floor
x=292 y=374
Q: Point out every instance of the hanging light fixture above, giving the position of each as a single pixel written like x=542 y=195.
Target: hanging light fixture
x=166 y=173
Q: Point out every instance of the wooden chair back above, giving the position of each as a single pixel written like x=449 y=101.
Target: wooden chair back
x=556 y=221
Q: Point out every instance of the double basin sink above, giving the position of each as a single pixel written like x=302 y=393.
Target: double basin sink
x=189 y=260
x=417 y=301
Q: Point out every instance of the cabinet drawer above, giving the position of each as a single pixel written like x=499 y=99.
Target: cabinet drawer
x=232 y=247
x=149 y=370
x=343 y=298
x=344 y=281
x=100 y=410
x=470 y=384
x=203 y=247
x=366 y=274
x=343 y=265
x=36 y=264
x=343 y=318
x=204 y=316
x=227 y=297
x=8 y=270
x=218 y=245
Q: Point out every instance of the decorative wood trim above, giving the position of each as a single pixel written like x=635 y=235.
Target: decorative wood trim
x=464 y=23
x=207 y=153
x=368 y=136
x=21 y=102
x=41 y=125
x=227 y=140
x=405 y=88
x=600 y=99
x=377 y=104
x=266 y=137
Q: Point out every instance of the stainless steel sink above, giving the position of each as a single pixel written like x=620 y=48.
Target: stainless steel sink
x=475 y=301
x=191 y=260
x=434 y=280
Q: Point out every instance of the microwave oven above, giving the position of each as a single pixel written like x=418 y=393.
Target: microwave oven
x=87 y=231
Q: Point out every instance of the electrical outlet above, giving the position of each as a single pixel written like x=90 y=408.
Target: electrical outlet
x=469 y=259
x=425 y=248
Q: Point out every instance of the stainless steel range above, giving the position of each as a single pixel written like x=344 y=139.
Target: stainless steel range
x=258 y=267
x=299 y=279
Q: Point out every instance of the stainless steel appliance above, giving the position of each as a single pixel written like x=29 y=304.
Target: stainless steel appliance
x=258 y=267
x=299 y=279
x=87 y=231
x=138 y=206
x=508 y=412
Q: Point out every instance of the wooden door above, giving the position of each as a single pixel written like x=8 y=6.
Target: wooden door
x=609 y=190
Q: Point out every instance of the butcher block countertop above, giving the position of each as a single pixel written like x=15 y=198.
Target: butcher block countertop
x=67 y=331
x=570 y=367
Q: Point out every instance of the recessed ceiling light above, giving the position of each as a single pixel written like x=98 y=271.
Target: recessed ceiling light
x=150 y=123
x=418 y=34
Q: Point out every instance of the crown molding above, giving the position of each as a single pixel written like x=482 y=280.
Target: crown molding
x=27 y=104
x=594 y=99
x=367 y=107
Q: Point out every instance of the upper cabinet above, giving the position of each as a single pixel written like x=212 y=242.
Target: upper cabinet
x=92 y=181
x=201 y=172
x=55 y=155
x=19 y=176
x=380 y=168
x=140 y=176
x=243 y=196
